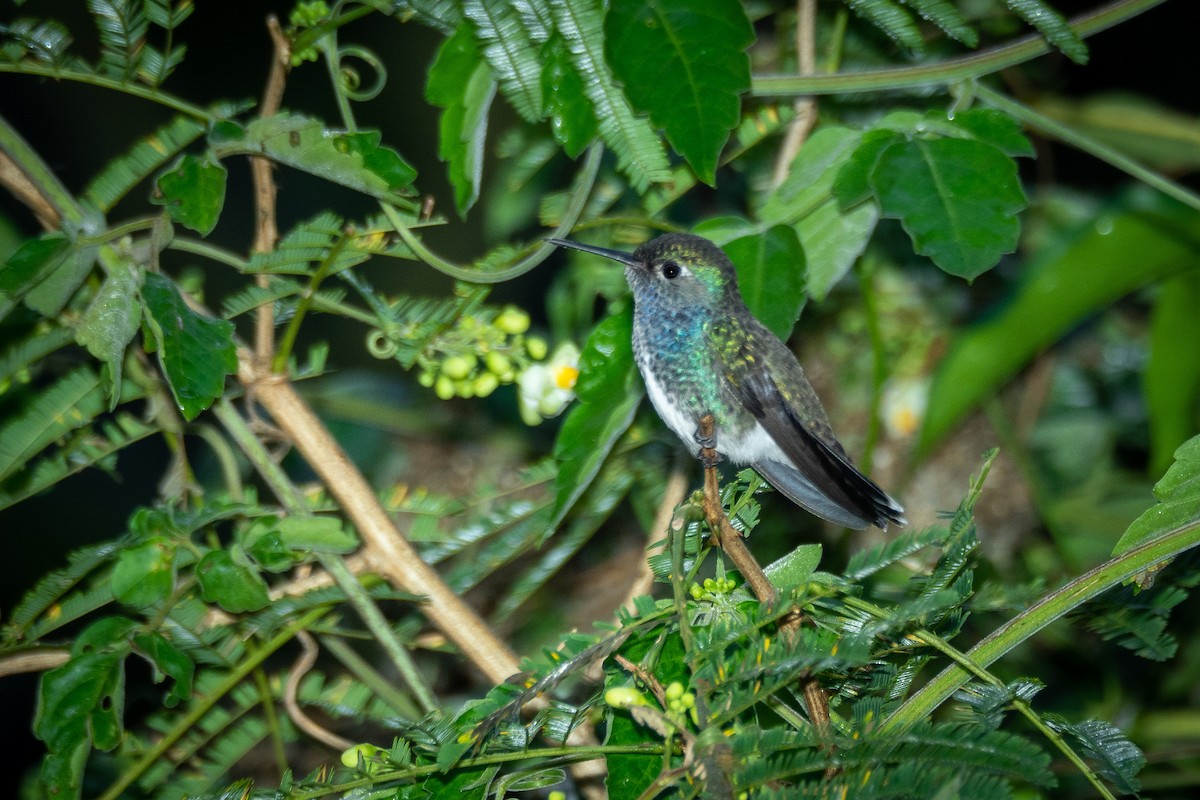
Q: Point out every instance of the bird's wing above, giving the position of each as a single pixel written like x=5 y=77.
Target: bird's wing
x=819 y=476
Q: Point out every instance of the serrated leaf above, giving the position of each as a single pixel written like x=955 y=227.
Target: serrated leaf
x=770 y=270
x=811 y=175
x=81 y=704
x=958 y=200
x=510 y=51
x=111 y=322
x=1119 y=760
x=171 y=662
x=684 y=62
x=1178 y=493
x=193 y=193
x=892 y=19
x=832 y=240
x=196 y=353
x=1140 y=241
x=461 y=84
x=355 y=160
x=124 y=172
x=145 y=574
x=234 y=586
x=71 y=402
x=948 y=18
x=609 y=392
x=1052 y=25
x=639 y=152
x=572 y=119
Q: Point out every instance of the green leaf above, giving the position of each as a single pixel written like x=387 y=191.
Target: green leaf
x=1178 y=494
x=234 y=586
x=193 y=193
x=145 y=574
x=684 y=62
x=1118 y=759
x=811 y=175
x=317 y=534
x=82 y=703
x=572 y=120
x=461 y=84
x=121 y=174
x=355 y=160
x=111 y=322
x=638 y=149
x=770 y=270
x=792 y=569
x=32 y=262
x=892 y=19
x=958 y=200
x=1142 y=240
x=832 y=240
x=609 y=392
x=71 y=402
x=1172 y=377
x=196 y=353
x=1051 y=24
x=988 y=126
x=629 y=775
x=511 y=53
x=170 y=661
x=948 y=18
x=50 y=296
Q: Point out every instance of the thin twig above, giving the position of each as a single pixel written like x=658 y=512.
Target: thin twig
x=308 y=657
x=806 y=106
x=730 y=541
x=266 y=230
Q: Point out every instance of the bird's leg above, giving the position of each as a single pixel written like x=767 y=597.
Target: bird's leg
x=731 y=542
x=706 y=437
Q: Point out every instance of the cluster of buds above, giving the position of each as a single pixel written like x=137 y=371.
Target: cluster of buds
x=479 y=355
x=712 y=588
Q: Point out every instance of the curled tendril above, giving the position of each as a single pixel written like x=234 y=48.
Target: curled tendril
x=382 y=343
x=351 y=80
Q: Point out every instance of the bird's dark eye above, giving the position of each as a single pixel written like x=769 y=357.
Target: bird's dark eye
x=671 y=270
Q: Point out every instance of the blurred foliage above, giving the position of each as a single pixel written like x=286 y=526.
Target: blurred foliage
x=959 y=296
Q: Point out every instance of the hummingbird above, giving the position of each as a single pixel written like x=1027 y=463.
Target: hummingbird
x=700 y=351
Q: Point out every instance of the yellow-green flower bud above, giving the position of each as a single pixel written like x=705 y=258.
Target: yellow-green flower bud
x=497 y=363
x=350 y=755
x=624 y=697
x=458 y=367
x=444 y=387
x=486 y=383
x=674 y=690
x=536 y=347
x=512 y=320
x=465 y=388
x=426 y=379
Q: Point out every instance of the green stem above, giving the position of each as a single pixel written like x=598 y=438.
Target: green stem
x=963 y=660
x=1057 y=130
x=546 y=756
x=295 y=503
x=204 y=704
x=949 y=71
x=288 y=341
x=91 y=78
x=225 y=457
x=369 y=676
x=272 y=717
x=213 y=253
x=1057 y=604
x=579 y=196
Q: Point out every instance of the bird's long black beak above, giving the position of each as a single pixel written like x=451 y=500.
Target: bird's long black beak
x=615 y=255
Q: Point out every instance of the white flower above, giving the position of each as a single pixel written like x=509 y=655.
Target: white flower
x=545 y=389
x=904 y=403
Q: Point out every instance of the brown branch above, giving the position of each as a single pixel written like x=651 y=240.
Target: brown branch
x=24 y=190
x=387 y=552
x=805 y=107
x=731 y=542
x=266 y=230
x=673 y=495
